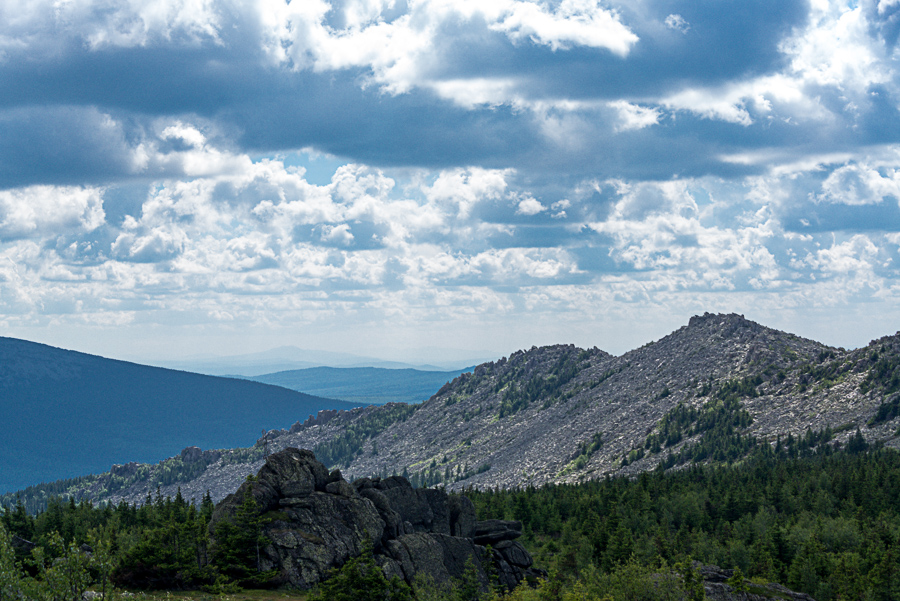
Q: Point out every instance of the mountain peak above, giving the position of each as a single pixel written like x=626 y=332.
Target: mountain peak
x=718 y=319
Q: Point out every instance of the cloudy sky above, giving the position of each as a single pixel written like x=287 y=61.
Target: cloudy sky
x=383 y=176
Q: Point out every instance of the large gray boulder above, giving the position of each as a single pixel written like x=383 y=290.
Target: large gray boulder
x=426 y=509
x=491 y=532
x=393 y=524
x=315 y=533
x=716 y=588
x=438 y=556
x=317 y=521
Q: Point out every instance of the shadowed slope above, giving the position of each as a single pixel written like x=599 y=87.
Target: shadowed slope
x=65 y=413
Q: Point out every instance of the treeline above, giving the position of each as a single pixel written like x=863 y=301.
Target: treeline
x=164 y=543
x=825 y=523
x=173 y=470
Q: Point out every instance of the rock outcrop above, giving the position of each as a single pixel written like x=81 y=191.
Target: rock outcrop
x=317 y=521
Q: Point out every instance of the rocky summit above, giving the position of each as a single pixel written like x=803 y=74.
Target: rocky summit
x=316 y=521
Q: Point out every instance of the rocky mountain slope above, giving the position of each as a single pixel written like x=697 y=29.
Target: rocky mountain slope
x=708 y=392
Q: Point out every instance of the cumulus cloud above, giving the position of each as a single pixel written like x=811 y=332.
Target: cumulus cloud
x=463 y=188
x=530 y=206
x=860 y=184
x=486 y=158
x=46 y=211
x=573 y=23
x=632 y=116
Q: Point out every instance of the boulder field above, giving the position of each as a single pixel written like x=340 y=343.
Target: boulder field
x=316 y=521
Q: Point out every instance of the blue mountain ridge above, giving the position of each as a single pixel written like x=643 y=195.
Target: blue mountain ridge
x=374 y=385
x=65 y=413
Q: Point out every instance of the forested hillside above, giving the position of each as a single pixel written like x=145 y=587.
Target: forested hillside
x=825 y=523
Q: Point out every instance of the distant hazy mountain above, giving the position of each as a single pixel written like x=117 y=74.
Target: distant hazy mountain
x=288 y=358
x=364 y=384
x=64 y=413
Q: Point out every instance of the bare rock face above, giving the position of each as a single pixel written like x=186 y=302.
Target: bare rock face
x=318 y=521
x=462 y=516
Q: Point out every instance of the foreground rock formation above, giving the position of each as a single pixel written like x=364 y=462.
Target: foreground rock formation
x=319 y=521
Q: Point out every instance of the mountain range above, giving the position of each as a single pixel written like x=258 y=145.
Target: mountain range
x=709 y=392
x=290 y=358
x=376 y=385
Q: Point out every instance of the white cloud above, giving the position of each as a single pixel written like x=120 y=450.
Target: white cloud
x=464 y=188
x=529 y=206
x=401 y=52
x=855 y=257
x=573 y=23
x=633 y=116
x=181 y=149
x=837 y=50
x=660 y=227
x=678 y=23
x=113 y=23
x=860 y=184
x=734 y=101
x=41 y=211
x=475 y=91
x=337 y=234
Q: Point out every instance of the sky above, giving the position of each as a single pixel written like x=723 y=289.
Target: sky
x=396 y=177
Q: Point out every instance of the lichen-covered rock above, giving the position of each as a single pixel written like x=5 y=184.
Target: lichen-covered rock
x=393 y=524
x=436 y=499
x=716 y=588
x=294 y=472
x=407 y=502
x=438 y=556
x=318 y=532
x=342 y=488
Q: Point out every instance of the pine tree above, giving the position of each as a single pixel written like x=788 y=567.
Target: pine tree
x=239 y=543
x=361 y=579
